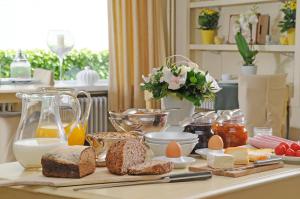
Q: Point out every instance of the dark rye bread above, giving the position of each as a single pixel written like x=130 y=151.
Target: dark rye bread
x=69 y=162
x=124 y=154
x=152 y=167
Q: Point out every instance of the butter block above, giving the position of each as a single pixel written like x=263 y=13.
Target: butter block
x=240 y=154
x=220 y=161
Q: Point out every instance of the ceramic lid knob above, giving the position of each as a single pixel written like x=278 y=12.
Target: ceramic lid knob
x=87 y=76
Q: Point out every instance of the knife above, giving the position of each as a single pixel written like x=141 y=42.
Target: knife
x=184 y=177
x=257 y=163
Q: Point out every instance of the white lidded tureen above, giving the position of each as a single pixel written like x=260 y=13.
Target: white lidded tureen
x=87 y=76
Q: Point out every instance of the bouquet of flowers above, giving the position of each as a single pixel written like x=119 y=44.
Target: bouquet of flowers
x=289 y=12
x=208 y=19
x=183 y=79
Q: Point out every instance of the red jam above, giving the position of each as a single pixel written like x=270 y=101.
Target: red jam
x=233 y=134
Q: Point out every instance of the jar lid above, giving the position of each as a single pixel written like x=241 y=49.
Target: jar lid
x=20 y=56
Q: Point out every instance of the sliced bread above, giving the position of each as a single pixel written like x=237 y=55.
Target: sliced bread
x=124 y=154
x=152 y=167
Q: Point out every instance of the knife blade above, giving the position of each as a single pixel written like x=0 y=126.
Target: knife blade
x=257 y=163
x=185 y=177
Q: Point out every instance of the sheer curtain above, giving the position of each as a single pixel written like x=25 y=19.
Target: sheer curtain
x=141 y=36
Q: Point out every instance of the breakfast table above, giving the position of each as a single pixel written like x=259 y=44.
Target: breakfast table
x=279 y=183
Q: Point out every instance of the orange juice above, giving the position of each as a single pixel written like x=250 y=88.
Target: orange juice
x=77 y=136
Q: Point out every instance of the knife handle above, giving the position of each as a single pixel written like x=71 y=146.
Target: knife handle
x=189 y=176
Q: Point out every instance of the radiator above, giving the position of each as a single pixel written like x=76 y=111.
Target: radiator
x=208 y=105
x=98 y=116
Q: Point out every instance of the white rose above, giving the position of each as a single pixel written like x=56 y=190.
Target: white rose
x=184 y=69
x=173 y=81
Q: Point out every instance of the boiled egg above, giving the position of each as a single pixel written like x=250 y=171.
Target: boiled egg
x=173 y=150
x=215 y=143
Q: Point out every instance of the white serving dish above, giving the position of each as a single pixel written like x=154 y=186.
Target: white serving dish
x=170 y=136
x=160 y=149
x=205 y=151
x=288 y=159
x=166 y=142
x=179 y=163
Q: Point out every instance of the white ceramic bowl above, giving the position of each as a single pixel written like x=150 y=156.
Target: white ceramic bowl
x=170 y=136
x=159 y=149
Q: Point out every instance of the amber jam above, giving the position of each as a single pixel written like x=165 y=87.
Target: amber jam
x=232 y=133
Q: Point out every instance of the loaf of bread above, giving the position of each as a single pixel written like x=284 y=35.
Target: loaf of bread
x=69 y=162
x=153 y=167
x=124 y=154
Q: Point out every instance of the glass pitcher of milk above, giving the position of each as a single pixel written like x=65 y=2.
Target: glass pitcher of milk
x=40 y=128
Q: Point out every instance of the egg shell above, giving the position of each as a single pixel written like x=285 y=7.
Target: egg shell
x=215 y=143
x=173 y=150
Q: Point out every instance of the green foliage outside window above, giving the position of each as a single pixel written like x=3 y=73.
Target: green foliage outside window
x=74 y=62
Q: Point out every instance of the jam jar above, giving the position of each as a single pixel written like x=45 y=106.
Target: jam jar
x=202 y=128
x=232 y=132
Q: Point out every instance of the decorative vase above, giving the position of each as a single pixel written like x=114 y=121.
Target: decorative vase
x=208 y=36
x=182 y=109
x=291 y=36
x=248 y=70
x=87 y=76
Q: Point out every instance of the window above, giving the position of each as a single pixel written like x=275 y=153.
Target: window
x=25 y=25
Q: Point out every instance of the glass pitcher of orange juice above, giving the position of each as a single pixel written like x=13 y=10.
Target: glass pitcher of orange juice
x=41 y=128
x=74 y=132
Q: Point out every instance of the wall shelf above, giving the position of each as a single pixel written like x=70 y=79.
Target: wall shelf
x=217 y=3
x=232 y=47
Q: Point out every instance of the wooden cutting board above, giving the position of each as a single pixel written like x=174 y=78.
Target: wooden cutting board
x=101 y=175
x=236 y=173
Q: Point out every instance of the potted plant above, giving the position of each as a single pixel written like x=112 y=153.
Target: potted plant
x=289 y=20
x=248 y=55
x=208 y=22
x=244 y=32
x=180 y=85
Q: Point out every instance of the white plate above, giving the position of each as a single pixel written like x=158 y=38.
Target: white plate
x=179 y=163
x=203 y=152
x=170 y=136
x=288 y=159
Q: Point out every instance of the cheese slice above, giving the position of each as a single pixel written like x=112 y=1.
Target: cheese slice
x=220 y=161
x=239 y=154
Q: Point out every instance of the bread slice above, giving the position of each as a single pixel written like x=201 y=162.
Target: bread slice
x=152 y=167
x=124 y=154
x=69 y=162
x=239 y=154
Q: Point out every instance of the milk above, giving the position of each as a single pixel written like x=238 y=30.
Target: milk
x=29 y=152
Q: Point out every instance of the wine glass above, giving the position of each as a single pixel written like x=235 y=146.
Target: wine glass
x=60 y=42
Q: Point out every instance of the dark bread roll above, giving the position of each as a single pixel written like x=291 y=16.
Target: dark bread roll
x=69 y=162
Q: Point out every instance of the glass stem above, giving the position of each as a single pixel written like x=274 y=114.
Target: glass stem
x=61 y=60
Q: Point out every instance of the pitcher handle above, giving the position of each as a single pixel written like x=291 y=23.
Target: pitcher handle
x=85 y=116
x=76 y=108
